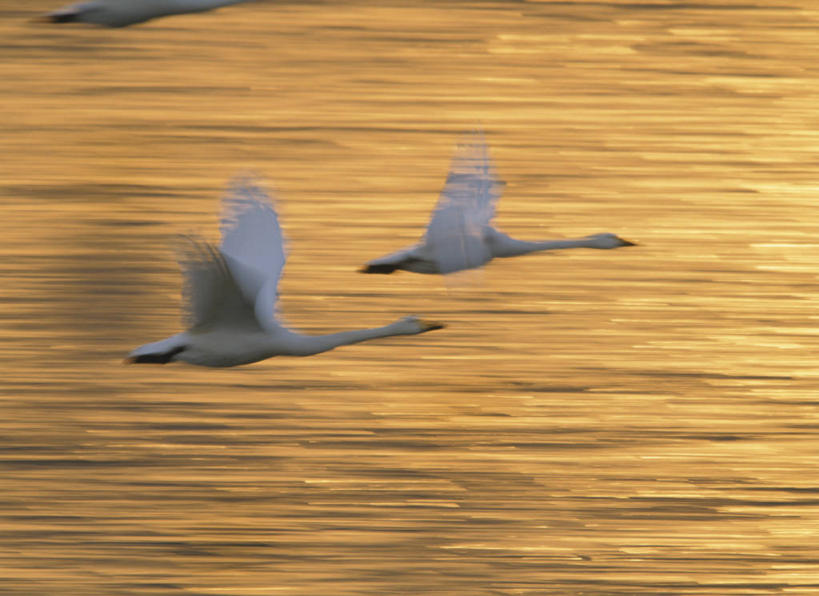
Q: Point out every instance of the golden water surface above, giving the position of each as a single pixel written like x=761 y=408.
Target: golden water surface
x=636 y=421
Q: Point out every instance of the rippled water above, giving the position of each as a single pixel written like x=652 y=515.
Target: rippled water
x=639 y=421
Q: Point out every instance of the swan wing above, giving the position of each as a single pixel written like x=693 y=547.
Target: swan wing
x=454 y=242
x=210 y=294
x=253 y=247
x=465 y=207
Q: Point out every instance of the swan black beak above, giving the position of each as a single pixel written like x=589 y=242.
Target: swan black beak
x=431 y=325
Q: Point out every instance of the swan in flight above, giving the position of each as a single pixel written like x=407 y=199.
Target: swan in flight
x=121 y=13
x=459 y=235
x=231 y=294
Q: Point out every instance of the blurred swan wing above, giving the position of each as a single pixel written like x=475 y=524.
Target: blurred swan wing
x=465 y=207
x=253 y=247
x=210 y=295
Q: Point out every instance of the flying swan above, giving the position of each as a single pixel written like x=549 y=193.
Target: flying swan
x=121 y=13
x=231 y=291
x=459 y=234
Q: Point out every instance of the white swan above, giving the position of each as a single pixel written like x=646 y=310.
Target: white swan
x=231 y=294
x=121 y=13
x=459 y=234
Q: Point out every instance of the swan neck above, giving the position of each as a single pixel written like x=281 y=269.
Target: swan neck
x=511 y=247
x=558 y=244
x=315 y=344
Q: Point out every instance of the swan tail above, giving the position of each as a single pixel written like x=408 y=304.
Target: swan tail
x=159 y=352
x=84 y=12
x=382 y=268
x=409 y=259
x=59 y=17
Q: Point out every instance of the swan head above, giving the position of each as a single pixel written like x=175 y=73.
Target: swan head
x=412 y=325
x=606 y=241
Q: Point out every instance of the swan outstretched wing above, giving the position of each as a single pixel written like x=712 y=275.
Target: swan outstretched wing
x=253 y=247
x=465 y=207
x=210 y=295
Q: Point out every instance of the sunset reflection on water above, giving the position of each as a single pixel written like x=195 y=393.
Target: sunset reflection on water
x=639 y=421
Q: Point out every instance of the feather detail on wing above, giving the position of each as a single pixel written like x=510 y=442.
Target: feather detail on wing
x=253 y=246
x=210 y=295
x=465 y=207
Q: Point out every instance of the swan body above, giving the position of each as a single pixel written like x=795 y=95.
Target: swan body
x=121 y=13
x=231 y=291
x=460 y=235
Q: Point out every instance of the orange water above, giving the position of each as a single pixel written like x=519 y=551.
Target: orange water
x=638 y=421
